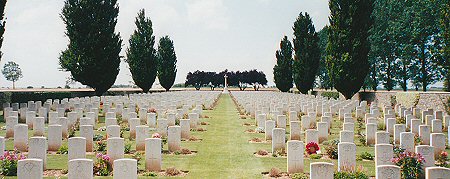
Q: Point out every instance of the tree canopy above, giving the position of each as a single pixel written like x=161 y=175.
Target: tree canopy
x=92 y=56
x=282 y=71
x=141 y=55
x=12 y=72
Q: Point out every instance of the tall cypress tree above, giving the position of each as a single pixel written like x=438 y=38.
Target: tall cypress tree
x=348 y=44
x=167 y=64
x=141 y=55
x=307 y=53
x=325 y=82
x=282 y=71
x=92 y=55
x=2 y=24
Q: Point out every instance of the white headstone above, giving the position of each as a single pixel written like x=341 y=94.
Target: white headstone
x=295 y=150
x=77 y=148
x=81 y=169
x=153 y=154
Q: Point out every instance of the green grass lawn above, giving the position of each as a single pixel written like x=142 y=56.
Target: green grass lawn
x=224 y=151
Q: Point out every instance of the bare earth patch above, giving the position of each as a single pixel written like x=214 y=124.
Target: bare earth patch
x=53 y=173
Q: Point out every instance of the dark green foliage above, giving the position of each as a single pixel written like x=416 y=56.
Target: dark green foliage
x=324 y=78
x=330 y=94
x=167 y=64
x=445 y=29
x=307 y=53
x=332 y=149
x=200 y=79
x=348 y=44
x=424 y=22
x=366 y=156
x=141 y=55
x=282 y=71
x=92 y=55
x=350 y=175
x=2 y=23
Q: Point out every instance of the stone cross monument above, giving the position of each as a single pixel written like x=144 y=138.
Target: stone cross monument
x=225 y=89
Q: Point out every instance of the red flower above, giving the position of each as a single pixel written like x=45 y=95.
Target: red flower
x=312 y=148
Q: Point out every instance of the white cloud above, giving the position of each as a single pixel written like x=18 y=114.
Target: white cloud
x=212 y=14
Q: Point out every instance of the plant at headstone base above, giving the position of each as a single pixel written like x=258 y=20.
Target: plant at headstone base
x=397 y=150
x=366 y=156
x=417 y=140
x=299 y=176
x=360 y=125
x=177 y=152
x=381 y=126
x=393 y=100
x=137 y=156
x=312 y=148
x=275 y=172
x=102 y=166
x=442 y=159
x=172 y=171
x=64 y=171
x=400 y=120
x=362 y=140
x=279 y=152
x=447 y=106
x=64 y=149
x=97 y=137
x=92 y=55
x=410 y=164
x=100 y=146
x=127 y=148
x=332 y=149
x=9 y=163
x=315 y=156
x=351 y=173
x=150 y=174
x=262 y=152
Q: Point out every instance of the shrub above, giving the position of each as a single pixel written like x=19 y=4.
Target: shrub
x=102 y=166
x=330 y=94
x=366 y=156
x=417 y=140
x=315 y=156
x=193 y=138
x=350 y=175
x=400 y=120
x=150 y=174
x=64 y=149
x=274 y=172
x=100 y=146
x=332 y=149
x=172 y=171
x=442 y=159
x=381 y=126
x=299 y=176
x=9 y=163
x=127 y=148
x=410 y=164
x=97 y=137
x=137 y=156
x=312 y=148
x=262 y=152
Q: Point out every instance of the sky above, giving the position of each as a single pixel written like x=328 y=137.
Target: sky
x=209 y=35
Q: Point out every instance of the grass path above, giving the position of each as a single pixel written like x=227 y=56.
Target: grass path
x=224 y=151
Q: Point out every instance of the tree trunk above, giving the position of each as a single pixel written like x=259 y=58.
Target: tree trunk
x=423 y=68
x=14 y=85
x=405 y=78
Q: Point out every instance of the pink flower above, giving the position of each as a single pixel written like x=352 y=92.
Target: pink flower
x=156 y=135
